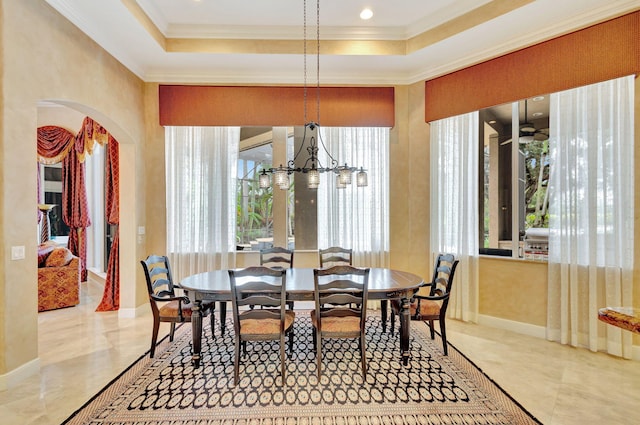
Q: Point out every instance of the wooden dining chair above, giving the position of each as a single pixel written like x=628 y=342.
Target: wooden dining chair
x=166 y=305
x=277 y=258
x=266 y=288
x=340 y=307
x=335 y=256
x=431 y=300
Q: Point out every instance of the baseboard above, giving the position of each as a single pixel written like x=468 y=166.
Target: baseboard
x=8 y=380
x=511 y=325
x=130 y=313
x=535 y=331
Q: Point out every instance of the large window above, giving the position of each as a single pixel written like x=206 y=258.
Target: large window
x=515 y=169
x=257 y=212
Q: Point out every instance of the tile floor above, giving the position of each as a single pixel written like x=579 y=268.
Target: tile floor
x=81 y=351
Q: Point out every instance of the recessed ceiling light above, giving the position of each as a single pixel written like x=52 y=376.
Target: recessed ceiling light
x=366 y=14
x=538 y=98
x=537 y=114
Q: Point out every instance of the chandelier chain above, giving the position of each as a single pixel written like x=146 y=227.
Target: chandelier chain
x=312 y=167
x=317 y=61
x=305 y=61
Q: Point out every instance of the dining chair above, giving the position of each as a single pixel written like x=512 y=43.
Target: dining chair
x=340 y=294
x=430 y=301
x=277 y=257
x=264 y=287
x=335 y=256
x=166 y=305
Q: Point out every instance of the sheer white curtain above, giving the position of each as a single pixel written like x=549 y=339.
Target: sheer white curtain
x=591 y=214
x=201 y=167
x=454 y=206
x=356 y=217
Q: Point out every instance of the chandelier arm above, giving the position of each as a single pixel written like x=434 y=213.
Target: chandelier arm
x=333 y=161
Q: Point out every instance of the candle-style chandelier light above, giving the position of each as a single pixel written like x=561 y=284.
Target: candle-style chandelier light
x=312 y=167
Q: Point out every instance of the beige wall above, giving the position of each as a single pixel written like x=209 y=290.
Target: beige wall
x=44 y=57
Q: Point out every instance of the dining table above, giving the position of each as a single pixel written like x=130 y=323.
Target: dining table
x=384 y=285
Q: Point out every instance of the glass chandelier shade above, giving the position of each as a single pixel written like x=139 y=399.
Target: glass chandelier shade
x=344 y=174
x=339 y=183
x=361 y=178
x=264 y=180
x=313 y=178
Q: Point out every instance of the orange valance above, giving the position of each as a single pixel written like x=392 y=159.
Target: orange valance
x=275 y=106
x=594 y=54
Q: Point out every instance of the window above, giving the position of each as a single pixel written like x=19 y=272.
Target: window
x=514 y=202
x=257 y=212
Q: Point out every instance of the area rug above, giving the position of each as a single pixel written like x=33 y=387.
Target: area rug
x=431 y=389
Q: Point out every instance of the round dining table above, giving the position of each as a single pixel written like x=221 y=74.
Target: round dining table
x=384 y=285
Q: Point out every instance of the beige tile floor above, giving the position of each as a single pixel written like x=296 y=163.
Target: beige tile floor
x=81 y=351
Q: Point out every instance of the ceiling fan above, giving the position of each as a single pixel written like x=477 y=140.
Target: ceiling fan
x=528 y=131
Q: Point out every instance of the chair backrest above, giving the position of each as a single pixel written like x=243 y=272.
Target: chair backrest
x=341 y=291
x=335 y=256
x=276 y=257
x=157 y=273
x=258 y=286
x=443 y=275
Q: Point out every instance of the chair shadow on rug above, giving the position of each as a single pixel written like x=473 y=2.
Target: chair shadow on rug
x=264 y=288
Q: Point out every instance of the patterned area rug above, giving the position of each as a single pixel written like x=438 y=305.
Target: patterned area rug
x=432 y=389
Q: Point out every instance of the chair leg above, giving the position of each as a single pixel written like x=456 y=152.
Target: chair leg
x=443 y=332
x=154 y=337
x=433 y=332
x=363 y=354
x=282 y=361
x=384 y=306
x=212 y=322
x=319 y=353
x=236 y=362
x=223 y=316
x=291 y=338
x=393 y=322
x=172 y=331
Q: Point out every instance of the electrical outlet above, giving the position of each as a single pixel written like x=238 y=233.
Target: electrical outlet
x=17 y=252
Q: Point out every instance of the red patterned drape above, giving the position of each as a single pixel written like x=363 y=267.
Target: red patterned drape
x=75 y=209
x=111 y=296
x=56 y=144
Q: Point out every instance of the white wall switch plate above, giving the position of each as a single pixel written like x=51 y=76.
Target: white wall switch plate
x=17 y=252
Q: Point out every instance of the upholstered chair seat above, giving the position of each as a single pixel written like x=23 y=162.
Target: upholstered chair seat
x=266 y=326
x=337 y=324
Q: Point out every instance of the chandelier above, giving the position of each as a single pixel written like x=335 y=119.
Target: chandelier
x=312 y=167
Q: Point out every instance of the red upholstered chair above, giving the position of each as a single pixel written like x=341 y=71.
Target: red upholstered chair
x=58 y=278
x=431 y=301
x=166 y=306
x=265 y=288
x=341 y=299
